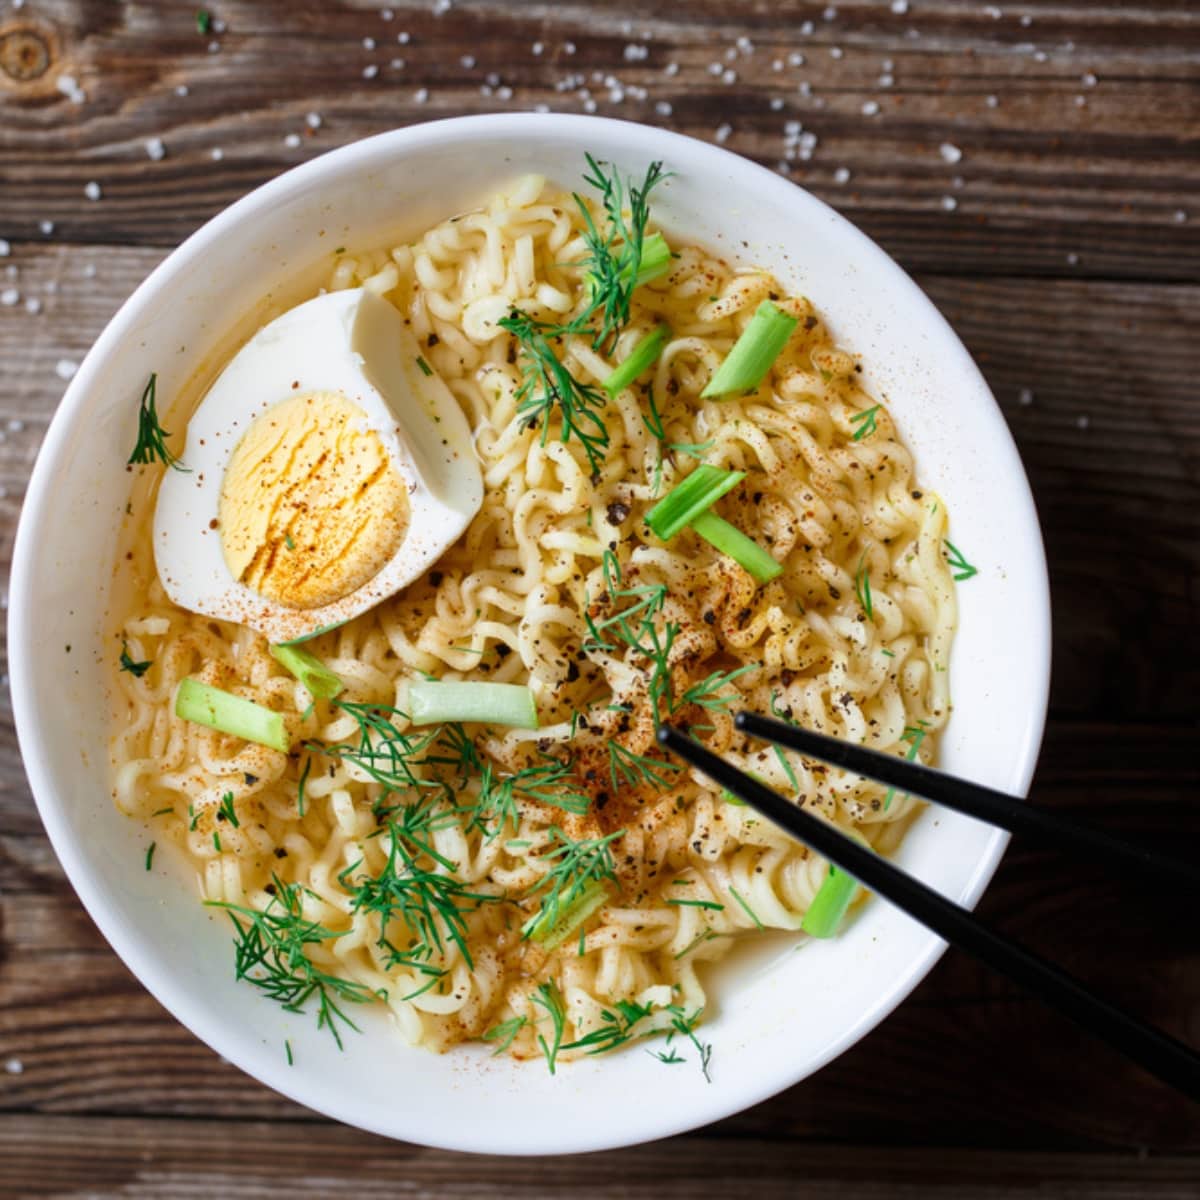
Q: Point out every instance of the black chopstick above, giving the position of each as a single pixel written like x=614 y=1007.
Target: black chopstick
x=975 y=800
x=1157 y=1052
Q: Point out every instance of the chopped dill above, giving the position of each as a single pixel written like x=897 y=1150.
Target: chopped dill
x=959 y=567
x=574 y=868
x=270 y=952
x=150 y=855
x=505 y=1033
x=865 y=420
x=151 y=445
x=549 y=997
x=914 y=735
x=226 y=810
x=637 y=769
x=616 y=1030
x=682 y=1024
x=287 y=1046
x=862 y=586
x=426 y=369
x=136 y=669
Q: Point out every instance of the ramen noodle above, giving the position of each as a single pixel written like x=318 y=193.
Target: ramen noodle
x=557 y=891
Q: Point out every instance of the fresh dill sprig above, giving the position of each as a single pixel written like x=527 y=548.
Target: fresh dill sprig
x=574 y=867
x=638 y=769
x=547 y=782
x=914 y=735
x=418 y=889
x=685 y=1025
x=616 y=1030
x=549 y=997
x=505 y=1033
x=384 y=752
x=151 y=445
x=694 y=450
x=862 y=586
x=270 y=953
x=614 y=258
x=707 y=692
x=548 y=387
x=226 y=810
x=959 y=567
x=150 y=855
x=136 y=669
x=865 y=422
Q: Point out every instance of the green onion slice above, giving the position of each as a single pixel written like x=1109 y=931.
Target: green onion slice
x=223 y=711
x=743 y=550
x=321 y=682
x=754 y=353
x=431 y=702
x=691 y=498
x=550 y=934
x=656 y=259
x=642 y=355
x=829 y=905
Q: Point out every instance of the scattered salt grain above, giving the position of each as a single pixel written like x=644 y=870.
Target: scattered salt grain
x=91 y=190
x=1081 y=102
x=745 y=45
x=795 y=59
x=729 y=76
x=313 y=120
x=589 y=106
x=870 y=108
x=216 y=154
x=807 y=29
x=949 y=203
x=672 y=69
x=1026 y=21
x=1040 y=56
x=886 y=81
x=777 y=64
x=836 y=52
x=635 y=52
x=663 y=108
x=292 y=141
x=214 y=47
x=899 y=7
x=538 y=49
x=69 y=86
x=10 y=297
x=992 y=101
x=1083 y=421
x=33 y=306
x=370 y=71
x=1025 y=397
x=992 y=11
x=841 y=175
x=776 y=103
x=404 y=37
x=715 y=69
x=1179 y=217
x=182 y=89
x=14 y=1066
x=950 y=153
x=569 y=48
x=1072 y=259
x=504 y=93
x=1089 y=80
x=722 y=134
x=467 y=62
x=441 y=7
x=386 y=14
x=89 y=270
x=15 y=425
x=398 y=64
x=155 y=149
x=65 y=368
x=5 y=248
x=421 y=95
x=830 y=14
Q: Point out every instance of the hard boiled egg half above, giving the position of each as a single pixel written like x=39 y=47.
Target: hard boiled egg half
x=329 y=466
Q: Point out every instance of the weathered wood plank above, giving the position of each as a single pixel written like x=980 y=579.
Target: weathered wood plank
x=175 y=1159
x=1078 y=128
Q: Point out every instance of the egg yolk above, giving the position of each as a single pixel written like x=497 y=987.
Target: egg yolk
x=311 y=506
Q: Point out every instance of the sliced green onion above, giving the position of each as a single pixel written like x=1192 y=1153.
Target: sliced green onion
x=656 y=259
x=551 y=934
x=753 y=354
x=321 y=682
x=743 y=550
x=642 y=355
x=829 y=905
x=205 y=705
x=316 y=633
x=688 y=500
x=430 y=703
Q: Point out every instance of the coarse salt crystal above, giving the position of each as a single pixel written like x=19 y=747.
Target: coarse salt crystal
x=91 y=190
x=1179 y=216
x=1025 y=397
x=441 y=7
x=993 y=102
x=730 y=76
x=292 y=141
x=795 y=59
x=950 y=153
x=634 y=52
x=836 y=52
x=589 y=106
x=776 y=103
x=467 y=61
x=672 y=68
x=949 y=203
x=830 y=13
x=870 y=109
x=1089 y=80
x=368 y=43
x=313 y=120
x=722 y=134
x=538 y=49
x=386 y=14
x=5 y=248
x=886 y=81
x=663 y=108
x=404 y=37
x=504 y=93
x=155 y=149
x=216 y=154
x=33 y=306
x=181 y=89
x=65 y=368
x=370 y=71
x=89 y=271
x=841 y=175
x=14 y=1066
x=777 y=64
x=421 y=95
x=10 y=297
x=899 y=7
x=569 y=47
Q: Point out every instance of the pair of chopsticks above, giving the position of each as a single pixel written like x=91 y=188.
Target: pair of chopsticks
x=1157 y=1052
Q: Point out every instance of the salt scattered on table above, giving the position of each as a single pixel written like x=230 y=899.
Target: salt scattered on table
x=950 y=153
x=65 y=368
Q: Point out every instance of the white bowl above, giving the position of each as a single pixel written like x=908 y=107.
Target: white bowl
x=776 y=1015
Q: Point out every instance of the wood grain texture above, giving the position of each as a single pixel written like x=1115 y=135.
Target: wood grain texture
x=176 y=1159
x=1078 y=131
x=1070 y=266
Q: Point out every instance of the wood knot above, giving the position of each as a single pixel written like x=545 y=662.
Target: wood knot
x=24 y=54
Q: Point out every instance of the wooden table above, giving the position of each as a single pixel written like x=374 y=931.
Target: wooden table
x=1036 y=165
